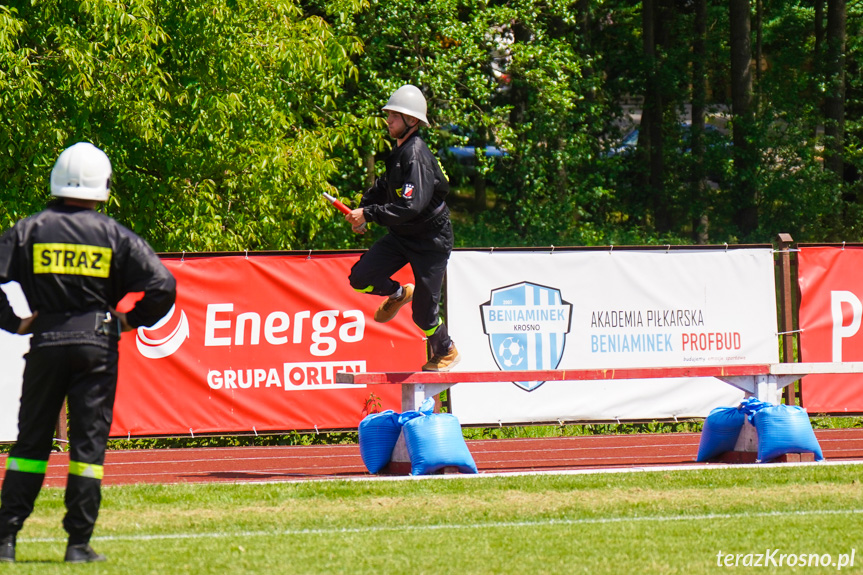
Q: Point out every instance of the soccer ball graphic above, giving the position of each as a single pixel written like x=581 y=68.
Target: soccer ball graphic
x=511 y=353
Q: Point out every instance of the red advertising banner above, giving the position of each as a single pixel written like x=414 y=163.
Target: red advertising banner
x=831 y=292
x=253 y=345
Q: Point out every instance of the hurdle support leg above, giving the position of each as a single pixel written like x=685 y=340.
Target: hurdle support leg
x=767 y=388
x=413 y=395
x=763 y=381
x=764 y=387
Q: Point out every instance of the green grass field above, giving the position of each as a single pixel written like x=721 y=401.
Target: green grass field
x=616 y=523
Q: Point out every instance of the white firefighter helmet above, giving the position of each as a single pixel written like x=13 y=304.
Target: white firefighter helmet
x=408 y=100
x=82 y=171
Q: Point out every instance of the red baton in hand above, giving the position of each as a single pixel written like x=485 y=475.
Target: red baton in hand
x=340 y=206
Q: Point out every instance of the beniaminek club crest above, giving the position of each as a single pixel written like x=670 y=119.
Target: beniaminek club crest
x=526 y=326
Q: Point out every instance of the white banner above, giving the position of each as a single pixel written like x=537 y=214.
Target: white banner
x=607 y=309
x=12 y=350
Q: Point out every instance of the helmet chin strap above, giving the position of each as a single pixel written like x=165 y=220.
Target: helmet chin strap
x=408 y=127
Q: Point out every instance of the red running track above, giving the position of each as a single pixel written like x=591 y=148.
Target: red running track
x=266 y=464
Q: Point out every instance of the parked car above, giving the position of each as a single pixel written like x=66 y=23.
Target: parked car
x=717 y=150
x=713 y=136
x=459 y=154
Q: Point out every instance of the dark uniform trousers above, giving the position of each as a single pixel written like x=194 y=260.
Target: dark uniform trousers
x=427 y=255
x=87 y=375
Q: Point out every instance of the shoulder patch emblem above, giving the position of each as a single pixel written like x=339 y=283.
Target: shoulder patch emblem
x=409 y=191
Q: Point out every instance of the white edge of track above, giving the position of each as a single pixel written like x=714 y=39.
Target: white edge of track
x=561 y=472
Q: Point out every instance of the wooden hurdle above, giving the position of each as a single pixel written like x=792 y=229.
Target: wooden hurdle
x=763 y=381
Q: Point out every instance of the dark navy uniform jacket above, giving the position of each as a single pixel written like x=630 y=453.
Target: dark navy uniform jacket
x=74 y=261
x=409 y=200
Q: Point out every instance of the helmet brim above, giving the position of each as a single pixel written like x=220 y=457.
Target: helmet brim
x=406 y=112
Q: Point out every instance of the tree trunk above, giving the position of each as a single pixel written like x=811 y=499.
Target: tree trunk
x=759 y=55
x=816 y=77
x=370 y=171
x=698 y=217
x=834 y=101
x=745 y=159
x=480 y=198
x=819 y=27
x=650 y=132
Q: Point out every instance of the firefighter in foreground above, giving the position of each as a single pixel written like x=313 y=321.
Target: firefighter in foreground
x=74 y=265
x=409 y=201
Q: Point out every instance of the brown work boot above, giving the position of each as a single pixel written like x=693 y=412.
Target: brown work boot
x=391 y=306
x=443 y=362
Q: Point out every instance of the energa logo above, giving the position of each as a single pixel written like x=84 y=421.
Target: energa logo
x=526 y=326
x=151 y=342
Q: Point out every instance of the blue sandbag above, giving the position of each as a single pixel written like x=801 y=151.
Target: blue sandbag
x=426 y=408
x=722 y=427
x=784 y=429
x=750 y=405
x=435 y=441
x=379 y=433
x=720 y=432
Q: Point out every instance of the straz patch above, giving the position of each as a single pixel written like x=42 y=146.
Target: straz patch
x=408 y=192
x=72 y=259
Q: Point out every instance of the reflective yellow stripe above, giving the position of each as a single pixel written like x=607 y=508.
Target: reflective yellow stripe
x=429 y=332
x=86 y=469
x=27 y=465
x=365 y=290
x=72 y=259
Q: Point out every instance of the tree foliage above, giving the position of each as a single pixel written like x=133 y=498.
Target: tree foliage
x=513 y=74
x=219 y=117
x=225 y=119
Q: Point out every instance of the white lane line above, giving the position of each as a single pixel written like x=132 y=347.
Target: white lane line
x=463 y=526
x=300 y=476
